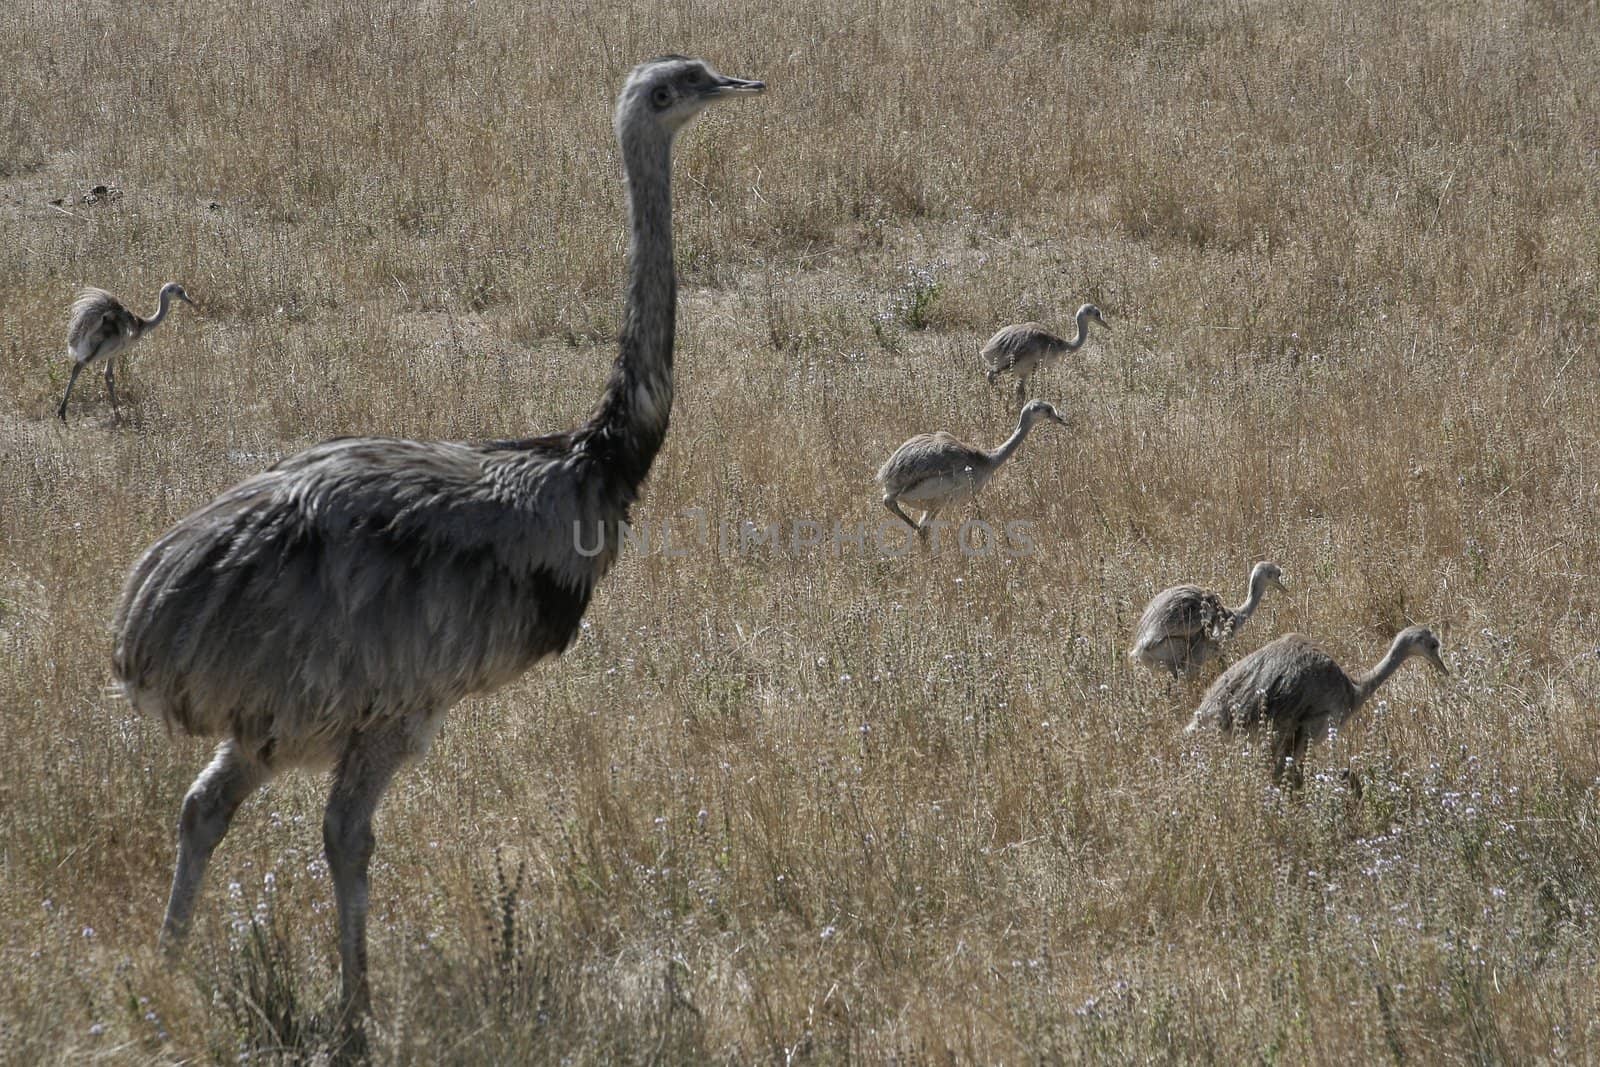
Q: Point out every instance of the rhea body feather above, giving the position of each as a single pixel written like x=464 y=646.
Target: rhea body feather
x=99 y=326
x=936 y=466
x=1291 y=683
x=1022 y=347
x=365 y=579
x=1184 y=627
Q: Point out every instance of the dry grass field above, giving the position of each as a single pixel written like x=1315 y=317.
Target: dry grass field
x=824 y=804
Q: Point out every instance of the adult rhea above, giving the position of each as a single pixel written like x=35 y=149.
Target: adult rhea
x=330 y=611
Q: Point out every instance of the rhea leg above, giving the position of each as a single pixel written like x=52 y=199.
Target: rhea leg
x=77 y=368
x=893 y=505
x=111 y=383
x=1289 y=753
x=1302 y=739
x=207 y=810
x=364 y=772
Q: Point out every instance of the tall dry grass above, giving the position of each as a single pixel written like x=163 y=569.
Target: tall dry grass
x=800 y=808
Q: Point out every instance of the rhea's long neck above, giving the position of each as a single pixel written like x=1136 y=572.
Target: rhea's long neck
x=161 y=312
x=1083 y=333
x=633 y=413
x=1012 y=443
x=1368 y=683
x=1242 y=613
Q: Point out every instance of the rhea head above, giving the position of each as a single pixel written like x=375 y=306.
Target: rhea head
x=174 y=289
x=1421 y=641
x=668 y=91
x=1266 y=573
x=1091 y=313
x=1042 y=409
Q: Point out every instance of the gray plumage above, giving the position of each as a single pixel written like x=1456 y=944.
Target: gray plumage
x=1184 y=627
x=935 y=470
x=101 y=327
x=1295 y=689
x=1024 y=347
x=329 y=611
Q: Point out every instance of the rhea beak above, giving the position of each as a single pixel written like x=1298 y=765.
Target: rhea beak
x=1062 y=419
x=1278 y=584
x=726 y=86
x=1103 y=323
x=1438 y=664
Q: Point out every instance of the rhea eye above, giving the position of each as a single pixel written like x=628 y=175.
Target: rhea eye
x=660 y=97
